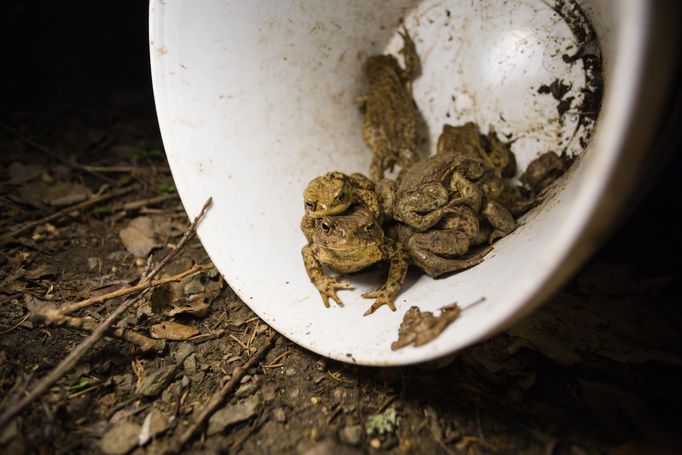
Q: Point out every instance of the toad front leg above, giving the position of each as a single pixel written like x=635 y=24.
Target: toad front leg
x=385 y=295
x=326 y=285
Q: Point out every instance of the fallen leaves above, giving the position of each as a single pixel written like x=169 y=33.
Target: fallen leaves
x=419 y=327
x=170 y=330
x=138 y=236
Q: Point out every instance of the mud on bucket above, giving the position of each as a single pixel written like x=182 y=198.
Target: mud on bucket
x=256 y=98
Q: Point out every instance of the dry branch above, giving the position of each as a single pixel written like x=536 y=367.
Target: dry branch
x=219 y=397
x=73 y=307
x=81 y=349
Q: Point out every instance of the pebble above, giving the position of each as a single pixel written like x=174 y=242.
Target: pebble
x=186 y=381
x=156 y=381
x=375 y=443
x=247 y=389
x=194 y=287
x=290 y=372
x=183 y=351
x=121 y=439
x=233 y=413
x=93 y=263
x=190 y=364
x=351 y=434
x=155 y=423
x=279 y=415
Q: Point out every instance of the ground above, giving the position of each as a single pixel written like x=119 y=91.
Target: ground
x=596 y=369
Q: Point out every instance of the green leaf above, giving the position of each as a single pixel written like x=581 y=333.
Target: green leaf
x=79 y=385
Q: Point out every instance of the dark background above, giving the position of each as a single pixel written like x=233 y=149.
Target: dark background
x=80 y=53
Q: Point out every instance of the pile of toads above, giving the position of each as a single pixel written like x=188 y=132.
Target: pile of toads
x=441 y=214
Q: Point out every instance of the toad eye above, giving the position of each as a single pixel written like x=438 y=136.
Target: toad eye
x=369 y=227
x=310 y=205
x=341 y=196
x=326 y=227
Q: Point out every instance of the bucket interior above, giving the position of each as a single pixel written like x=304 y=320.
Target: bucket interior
x=257 y=98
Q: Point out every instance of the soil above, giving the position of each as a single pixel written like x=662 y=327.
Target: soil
x=597 y=367
x=596 y=370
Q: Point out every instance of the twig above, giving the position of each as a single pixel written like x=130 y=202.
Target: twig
x=81 y=205
x=134 y=205
x=21 y=321
x=219 y=397
x=73 y=307
x=273 y=362
x=188 y=235
x=31 y=143
x=57 y=318
x=240 y=342
x=81 y=349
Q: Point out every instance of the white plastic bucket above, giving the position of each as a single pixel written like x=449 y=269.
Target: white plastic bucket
x=257 y=97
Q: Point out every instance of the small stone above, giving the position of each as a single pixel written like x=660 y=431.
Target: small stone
x=290 y=372
x=190 y=364
x=194 y=287
x=314 y=400
x=155 y=423
x=279 y=415
x=246 y=378
x=269 y=393
x=156 y=381
x=351 y=435
x=121 y=439
x=294 y=394
x=375 y=443
x=93 y=263
x=233 y=414
x=247 y=389
x=185 y=381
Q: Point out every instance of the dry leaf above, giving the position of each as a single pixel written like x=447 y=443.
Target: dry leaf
x=40 y=271
x=32 y=193
x=196 y=308
x=421 y=327
x=138 y=236
x=170 y=330
x=66 y=193
x=21 y=173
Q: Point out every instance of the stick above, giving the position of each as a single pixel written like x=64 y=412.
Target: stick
x=219 y=397
x=81 y=349
x=57 y=318
x=134 y=205
x=31 y=143
x=81 y=205
x=73 y=307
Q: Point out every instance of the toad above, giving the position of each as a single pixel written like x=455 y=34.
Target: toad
x=349 y=243
x=334 y=193
x=389 y=112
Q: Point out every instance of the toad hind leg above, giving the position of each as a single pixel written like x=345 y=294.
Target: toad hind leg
x=385 y=295
x=435 y=252
x=500 y=219
x=326 y=285
x=412 y=63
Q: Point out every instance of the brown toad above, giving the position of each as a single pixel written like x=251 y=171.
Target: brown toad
x=389 y=113
x=349 y=243
x=333 y=193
